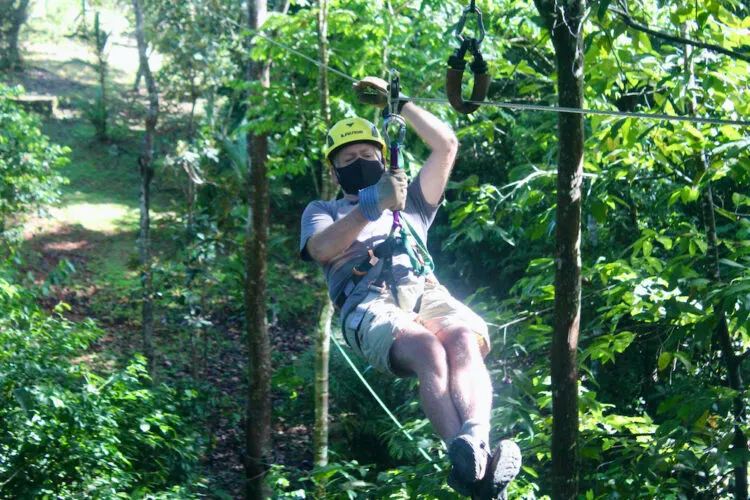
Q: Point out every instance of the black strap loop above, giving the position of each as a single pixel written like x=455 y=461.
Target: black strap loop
x=457 y=61
x=454 y=74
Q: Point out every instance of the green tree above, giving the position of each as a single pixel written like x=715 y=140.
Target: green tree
x=566 y=28
x=145 y=165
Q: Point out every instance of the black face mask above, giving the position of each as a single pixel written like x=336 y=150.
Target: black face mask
x=359 y=174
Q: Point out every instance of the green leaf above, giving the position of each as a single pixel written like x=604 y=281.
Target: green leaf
x=647 y=247
x=740 y=199
x=689 y=194
x=702 y=244
x=666 y=242
x=694 y=132
x=682 y=358
x=599 y=210
x=664 y=359
x=732 y=263
x=740 y=145
x=531 y=472
x=603 y=6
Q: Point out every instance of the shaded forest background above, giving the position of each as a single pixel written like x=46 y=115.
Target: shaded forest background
x=666 y=247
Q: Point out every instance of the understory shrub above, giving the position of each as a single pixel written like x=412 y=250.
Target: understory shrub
x=66 y=432
x=28 y=161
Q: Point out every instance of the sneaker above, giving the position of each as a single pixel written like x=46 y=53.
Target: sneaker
x=469 y=457
x=460 y=487
x=503 y=468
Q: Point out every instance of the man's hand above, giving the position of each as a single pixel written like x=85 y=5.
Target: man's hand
x=388 y=193
x=392 y=191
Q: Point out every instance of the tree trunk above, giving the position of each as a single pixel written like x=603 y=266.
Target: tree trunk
x=328 y=191
x=17 y=16
x=256 y=254
x=147 y=172
x=322 y=355
x=564 y=22
x=102 y=69
x=731 y=360
x=139 y=74
x=328 y=187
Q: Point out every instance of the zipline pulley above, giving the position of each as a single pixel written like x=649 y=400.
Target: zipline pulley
x=390 y=113
x=392 y=120
x=457 y=65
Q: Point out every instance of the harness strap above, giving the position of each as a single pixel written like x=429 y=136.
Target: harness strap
x=355 y=291
x=402 y=238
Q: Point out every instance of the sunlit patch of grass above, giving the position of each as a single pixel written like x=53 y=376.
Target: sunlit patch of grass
x=103 y=217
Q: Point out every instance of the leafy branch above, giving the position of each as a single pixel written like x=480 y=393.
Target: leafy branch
x=680 y=40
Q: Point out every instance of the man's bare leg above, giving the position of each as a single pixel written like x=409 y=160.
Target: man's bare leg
x=470 y=384
x=417 y=351
x=471 y=392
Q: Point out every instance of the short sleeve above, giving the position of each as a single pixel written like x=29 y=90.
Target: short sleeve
x=316 y=217
x=418 y=207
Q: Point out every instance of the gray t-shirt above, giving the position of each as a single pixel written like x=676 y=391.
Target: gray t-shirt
x=320 y=214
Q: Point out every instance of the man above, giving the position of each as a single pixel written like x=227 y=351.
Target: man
x=394 y=312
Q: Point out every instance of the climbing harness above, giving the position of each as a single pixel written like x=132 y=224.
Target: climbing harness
x=457 y=64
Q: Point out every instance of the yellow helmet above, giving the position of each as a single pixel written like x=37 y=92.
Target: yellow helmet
x=349 y=131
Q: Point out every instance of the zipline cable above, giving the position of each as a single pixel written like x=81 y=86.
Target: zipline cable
x=529 y=107
x=381 y=403
x=588 y=111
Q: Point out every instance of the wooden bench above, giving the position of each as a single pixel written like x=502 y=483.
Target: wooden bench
x=44 y=105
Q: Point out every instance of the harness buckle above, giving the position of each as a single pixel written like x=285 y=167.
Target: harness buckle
x=373 y=258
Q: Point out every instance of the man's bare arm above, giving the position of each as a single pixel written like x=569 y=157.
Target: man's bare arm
x=333 y=240
x=438 y=135
x=440 y=138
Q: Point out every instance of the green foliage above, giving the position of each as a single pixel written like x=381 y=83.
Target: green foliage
x=28 y=161
x=98 y=114
x=71 y=433
x=649 y=305
x=199 y=40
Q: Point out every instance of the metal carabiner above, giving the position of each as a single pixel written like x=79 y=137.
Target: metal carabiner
x=393 y=116
x=400 y=135
x=462 y=21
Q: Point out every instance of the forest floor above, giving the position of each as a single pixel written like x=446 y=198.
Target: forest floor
x=87 y=249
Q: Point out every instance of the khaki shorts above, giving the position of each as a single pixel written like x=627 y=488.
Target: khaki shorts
x=383 y=319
